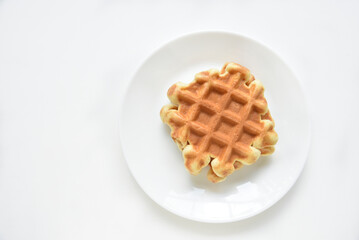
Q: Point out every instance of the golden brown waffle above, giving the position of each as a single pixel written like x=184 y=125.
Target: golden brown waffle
x=221 y=119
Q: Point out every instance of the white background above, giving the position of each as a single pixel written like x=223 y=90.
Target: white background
x=64 y=67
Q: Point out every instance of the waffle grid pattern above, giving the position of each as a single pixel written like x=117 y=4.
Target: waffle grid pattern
x=217 y=120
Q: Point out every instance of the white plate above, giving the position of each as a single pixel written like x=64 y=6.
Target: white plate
x=156 y=162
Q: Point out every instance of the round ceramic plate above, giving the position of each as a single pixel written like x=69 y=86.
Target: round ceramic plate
x=156 y=162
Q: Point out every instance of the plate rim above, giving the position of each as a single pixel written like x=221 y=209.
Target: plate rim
x=232 y=34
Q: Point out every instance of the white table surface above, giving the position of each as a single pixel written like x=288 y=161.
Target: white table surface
x=64 y=67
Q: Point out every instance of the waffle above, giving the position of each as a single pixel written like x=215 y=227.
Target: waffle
x=220 y=119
